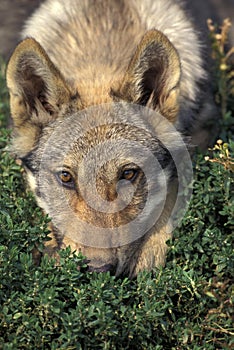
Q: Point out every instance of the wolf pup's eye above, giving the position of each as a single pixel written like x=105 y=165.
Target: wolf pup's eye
x=65 y=179
x=129 y=174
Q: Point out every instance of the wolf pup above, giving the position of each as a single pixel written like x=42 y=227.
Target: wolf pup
x=100 y=94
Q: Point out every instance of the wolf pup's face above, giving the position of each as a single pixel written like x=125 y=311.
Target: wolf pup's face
x=102 y=173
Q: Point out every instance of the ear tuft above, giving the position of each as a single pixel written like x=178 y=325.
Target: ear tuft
x=34 y=81
x=153 y=75
x=38 y=92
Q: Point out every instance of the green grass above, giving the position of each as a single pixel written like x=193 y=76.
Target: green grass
x=186 y=305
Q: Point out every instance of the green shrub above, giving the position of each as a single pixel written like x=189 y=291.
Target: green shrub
x=188 y=304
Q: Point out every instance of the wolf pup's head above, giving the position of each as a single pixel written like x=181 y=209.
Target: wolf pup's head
x=103 y=173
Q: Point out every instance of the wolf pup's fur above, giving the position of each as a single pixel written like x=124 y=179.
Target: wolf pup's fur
x=82 y=53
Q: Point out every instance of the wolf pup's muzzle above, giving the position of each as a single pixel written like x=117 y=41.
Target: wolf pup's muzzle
x=103 y=268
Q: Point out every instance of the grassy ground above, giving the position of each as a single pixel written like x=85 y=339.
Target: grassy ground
x=186 y=305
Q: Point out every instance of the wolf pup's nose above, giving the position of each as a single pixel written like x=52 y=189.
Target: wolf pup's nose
x=103 y=268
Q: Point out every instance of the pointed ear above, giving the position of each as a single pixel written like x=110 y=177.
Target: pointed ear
x=38 y=92
x=153 y=75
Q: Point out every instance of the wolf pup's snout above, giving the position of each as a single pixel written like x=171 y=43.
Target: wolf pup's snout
x=103 y=268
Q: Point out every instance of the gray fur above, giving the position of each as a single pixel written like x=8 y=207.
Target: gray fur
x=94 y=53
x=99 y=38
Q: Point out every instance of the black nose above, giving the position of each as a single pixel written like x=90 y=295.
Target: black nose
x=103 y=268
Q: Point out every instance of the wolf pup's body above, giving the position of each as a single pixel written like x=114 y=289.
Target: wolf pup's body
x=115 y=53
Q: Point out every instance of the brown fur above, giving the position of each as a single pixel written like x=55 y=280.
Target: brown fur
x=100 y=53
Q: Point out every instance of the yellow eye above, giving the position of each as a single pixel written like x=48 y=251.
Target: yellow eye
x=65 y=176
x=66 y=179
x=129 y=174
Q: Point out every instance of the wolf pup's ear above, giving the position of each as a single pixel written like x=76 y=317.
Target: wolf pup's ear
x=38 y=92
x=153 y=75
